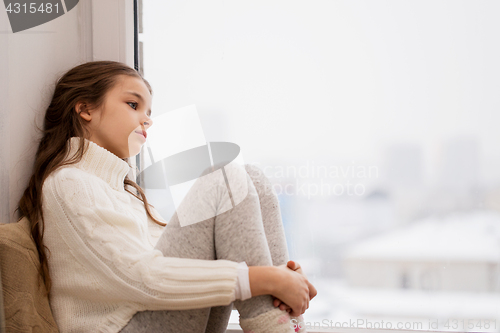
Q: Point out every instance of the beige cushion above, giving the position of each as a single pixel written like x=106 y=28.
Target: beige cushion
x=26 y=308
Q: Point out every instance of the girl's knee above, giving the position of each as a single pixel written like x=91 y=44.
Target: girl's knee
x=254 y=171
x=260 y=180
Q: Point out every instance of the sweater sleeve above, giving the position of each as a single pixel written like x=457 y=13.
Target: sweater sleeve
x=243 y=291
x=102 y=237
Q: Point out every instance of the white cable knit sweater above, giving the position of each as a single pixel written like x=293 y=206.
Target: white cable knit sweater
x=102 y=260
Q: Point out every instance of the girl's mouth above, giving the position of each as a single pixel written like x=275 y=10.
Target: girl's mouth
x=143 y=133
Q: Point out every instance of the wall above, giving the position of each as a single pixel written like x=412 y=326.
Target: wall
x=30 y=63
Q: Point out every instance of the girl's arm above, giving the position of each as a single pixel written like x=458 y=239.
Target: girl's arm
x=96 y=254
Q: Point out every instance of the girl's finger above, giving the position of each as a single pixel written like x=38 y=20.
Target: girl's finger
x=312 y=290
x=283 y=307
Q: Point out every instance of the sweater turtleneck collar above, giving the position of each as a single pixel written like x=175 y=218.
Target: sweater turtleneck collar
x=100 y=162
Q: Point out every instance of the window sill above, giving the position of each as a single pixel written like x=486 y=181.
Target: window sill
x=235 y=328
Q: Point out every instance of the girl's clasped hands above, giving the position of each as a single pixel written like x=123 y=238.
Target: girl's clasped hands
x=295 y=310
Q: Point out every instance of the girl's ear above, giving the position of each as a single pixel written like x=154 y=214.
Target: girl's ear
x=81 y=109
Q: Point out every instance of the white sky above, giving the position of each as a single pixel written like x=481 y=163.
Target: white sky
x=330 y=80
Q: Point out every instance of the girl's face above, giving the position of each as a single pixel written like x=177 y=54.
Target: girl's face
x=120 y=125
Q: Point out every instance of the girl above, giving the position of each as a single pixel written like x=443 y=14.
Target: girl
x=115 y=265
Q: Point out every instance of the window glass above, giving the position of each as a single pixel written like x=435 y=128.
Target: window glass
x=377 y=123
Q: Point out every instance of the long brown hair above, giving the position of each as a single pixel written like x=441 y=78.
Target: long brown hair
x=88 y=83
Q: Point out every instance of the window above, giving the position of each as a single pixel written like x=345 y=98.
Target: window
x=377 y=124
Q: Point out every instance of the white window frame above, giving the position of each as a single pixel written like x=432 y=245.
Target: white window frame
x=107 y=30
x=235 y=328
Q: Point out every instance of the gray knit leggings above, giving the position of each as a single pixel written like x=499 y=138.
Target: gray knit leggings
x=252 y=231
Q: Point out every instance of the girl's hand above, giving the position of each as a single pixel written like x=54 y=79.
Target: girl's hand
x=283 y=307
x=312 y=290
x=296 y=267
x=292 y=288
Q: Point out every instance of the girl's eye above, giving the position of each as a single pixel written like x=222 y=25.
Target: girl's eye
x=129 y=103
